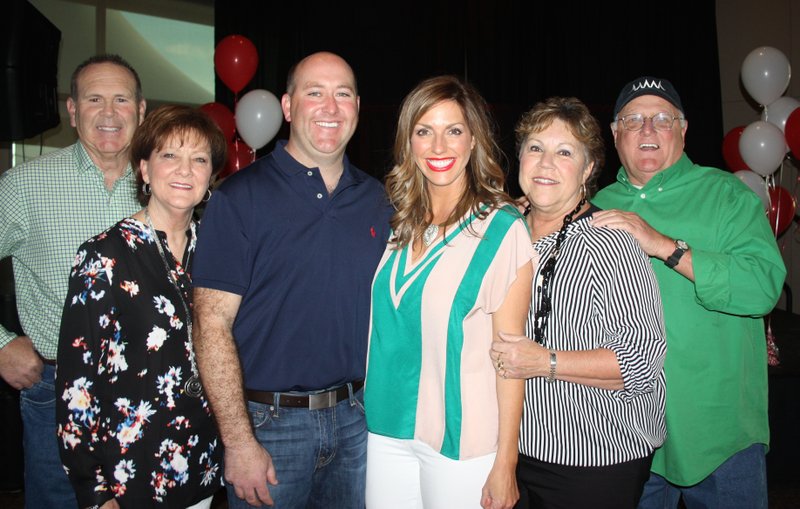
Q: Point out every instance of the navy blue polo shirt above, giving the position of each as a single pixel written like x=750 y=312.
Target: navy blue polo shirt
x=303 y=262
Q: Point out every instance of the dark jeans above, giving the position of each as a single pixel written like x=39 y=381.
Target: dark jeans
x=739 y=483
x=320 y=456
x=46 y=483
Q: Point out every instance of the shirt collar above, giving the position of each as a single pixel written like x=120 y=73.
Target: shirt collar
x=662 y=178
x=85 y=163
x=292 y=167
x=578 y=224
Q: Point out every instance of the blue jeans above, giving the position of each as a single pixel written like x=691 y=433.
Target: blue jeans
x=46 y=483
x=320 y=456
x=740 y=482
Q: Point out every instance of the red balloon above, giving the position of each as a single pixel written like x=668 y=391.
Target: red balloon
x=239 y=156
x=781 y=210
x=792 y=132
x=235 y=60
x=730 y=150
x=223 y=117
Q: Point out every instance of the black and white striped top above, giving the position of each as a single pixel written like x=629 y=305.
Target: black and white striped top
x=604 y=295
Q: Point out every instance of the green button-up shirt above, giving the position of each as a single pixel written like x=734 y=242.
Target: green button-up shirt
x=48 y=208
x=716 y=365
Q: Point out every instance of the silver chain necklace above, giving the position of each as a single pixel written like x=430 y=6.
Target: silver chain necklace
x=192 y=387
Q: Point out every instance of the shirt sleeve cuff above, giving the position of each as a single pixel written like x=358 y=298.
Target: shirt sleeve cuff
x=6 y=336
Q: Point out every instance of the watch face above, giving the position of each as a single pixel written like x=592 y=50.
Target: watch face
x=682 y=245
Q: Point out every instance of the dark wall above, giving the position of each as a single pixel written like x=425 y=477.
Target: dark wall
x=29 y=47
x=515 y=53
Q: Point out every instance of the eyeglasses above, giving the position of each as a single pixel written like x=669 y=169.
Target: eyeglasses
x=660 y=121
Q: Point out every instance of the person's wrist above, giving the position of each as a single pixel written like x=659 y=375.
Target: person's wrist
x=668 y=247
x=553 y=363
x=680 y=248
x=239 y=442
x=506 y=461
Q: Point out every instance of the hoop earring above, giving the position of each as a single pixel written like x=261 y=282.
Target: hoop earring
x=146 y=189
x=583 y=190
x=207 y=196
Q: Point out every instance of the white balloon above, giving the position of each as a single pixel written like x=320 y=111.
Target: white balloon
x=765 y=74
x=757 y=183
x=762 y=147
x=258 y=117
x=779 y=110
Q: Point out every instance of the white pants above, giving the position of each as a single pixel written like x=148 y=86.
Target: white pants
x=408 y=474
x=203 y=504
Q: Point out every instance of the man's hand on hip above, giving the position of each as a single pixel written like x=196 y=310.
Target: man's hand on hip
x=249 y=468
x=20 y=365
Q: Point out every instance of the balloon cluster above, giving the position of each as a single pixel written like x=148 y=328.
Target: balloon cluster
x=756 y=152
x=258 y=114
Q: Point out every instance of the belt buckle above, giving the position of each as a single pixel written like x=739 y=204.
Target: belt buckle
x=322 y=400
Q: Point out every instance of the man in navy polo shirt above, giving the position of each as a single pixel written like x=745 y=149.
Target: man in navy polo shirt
x=284 y=263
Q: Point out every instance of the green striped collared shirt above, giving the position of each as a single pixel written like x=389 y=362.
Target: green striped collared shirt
x=48 y=207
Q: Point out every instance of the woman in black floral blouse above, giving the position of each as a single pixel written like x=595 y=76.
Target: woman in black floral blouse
x=135 y=429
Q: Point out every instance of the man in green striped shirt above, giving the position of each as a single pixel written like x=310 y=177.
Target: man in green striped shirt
x=48 y=207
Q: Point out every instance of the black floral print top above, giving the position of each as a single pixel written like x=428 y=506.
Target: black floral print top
x=126 y=426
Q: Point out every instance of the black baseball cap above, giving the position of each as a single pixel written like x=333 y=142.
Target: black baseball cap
x=647 y=85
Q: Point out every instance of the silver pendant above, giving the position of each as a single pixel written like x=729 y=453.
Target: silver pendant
x=430 y=234
x=193 y=387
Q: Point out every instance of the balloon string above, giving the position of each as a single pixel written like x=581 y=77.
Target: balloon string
x=780 y=195
x=777 y=208
x=235 y=103
x=794 y=194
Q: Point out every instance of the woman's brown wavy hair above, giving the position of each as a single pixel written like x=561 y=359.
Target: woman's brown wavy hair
x=406 y=185
x=580 y=122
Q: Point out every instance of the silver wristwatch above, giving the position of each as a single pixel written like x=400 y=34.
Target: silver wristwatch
x=680 y=248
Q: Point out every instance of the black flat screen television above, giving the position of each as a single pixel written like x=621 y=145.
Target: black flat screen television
x=29 y=46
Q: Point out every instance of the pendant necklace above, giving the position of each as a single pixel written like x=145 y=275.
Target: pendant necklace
x=192 y=387
x=430 y=234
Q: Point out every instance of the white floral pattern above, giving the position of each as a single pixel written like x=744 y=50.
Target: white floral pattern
x=126 y=427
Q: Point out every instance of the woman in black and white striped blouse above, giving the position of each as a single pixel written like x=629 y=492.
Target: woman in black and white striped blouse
x=594 y=355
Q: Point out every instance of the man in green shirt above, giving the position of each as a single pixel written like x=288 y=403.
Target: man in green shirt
x=719 y=270
x=48 y=207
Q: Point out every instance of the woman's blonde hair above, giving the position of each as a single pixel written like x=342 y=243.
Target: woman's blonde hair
x=406 y=185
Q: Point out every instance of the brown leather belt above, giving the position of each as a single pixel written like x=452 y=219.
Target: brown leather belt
x=313 y=401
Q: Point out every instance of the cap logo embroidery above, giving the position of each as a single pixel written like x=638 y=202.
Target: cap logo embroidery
x=648 y=84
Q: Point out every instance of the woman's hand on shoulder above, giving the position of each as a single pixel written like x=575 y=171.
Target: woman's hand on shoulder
x=516 y=356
